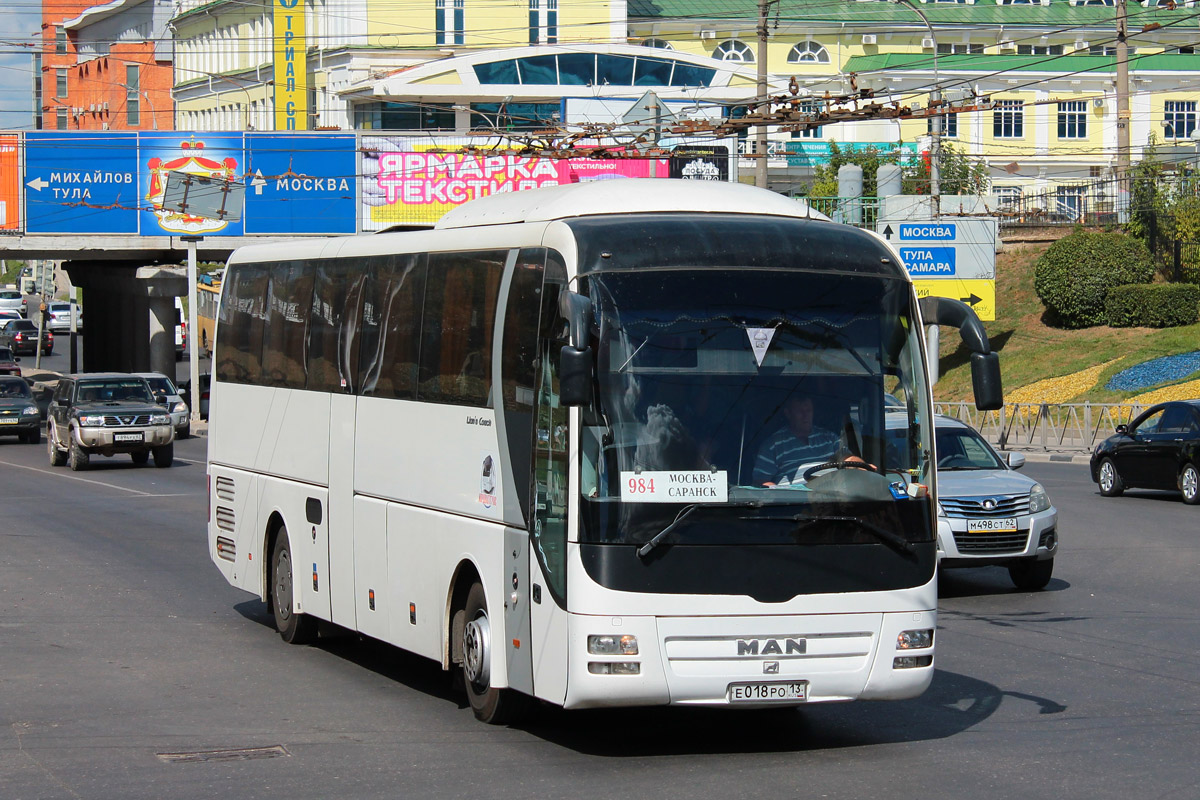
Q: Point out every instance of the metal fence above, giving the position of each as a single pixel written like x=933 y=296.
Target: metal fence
x=1046 y=426
x=862 y=212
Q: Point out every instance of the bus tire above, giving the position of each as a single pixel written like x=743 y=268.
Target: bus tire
x=489 y=704
x=293 y=628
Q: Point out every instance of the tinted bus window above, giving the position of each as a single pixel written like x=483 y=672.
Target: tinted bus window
x=335 y=295
x=243 y=316
x=390 y=338
x=456 y=332
x=286 y=340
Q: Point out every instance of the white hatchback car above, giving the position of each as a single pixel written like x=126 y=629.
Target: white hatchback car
x=181 y=417
x=988 y=514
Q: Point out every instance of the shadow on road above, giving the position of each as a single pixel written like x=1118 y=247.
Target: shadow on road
x=953 y=704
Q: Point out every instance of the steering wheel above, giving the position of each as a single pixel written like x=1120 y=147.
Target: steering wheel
x=808 y=473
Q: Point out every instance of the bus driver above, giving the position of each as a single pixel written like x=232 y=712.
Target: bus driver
x=796 y=444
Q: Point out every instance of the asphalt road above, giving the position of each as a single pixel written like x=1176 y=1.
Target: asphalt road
x=123 y=654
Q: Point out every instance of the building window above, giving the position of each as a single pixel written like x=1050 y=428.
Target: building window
x=132 y=108
x=448 y=17
x=808 y=107
x=661 y=44
x=1104 y=50
x=62 y=119
x=1039 y=49
x=959 y=48
x=733 y=50
x=1008 y=197
x=403 y=117
x=808 y=52
x=543 y=21
x=60 y=86
x=1072 y=119
x=514 y=116
x=949 y=125
x=1008 y=119
x=1187 y=50
x=60 y=40
x=1180 y=118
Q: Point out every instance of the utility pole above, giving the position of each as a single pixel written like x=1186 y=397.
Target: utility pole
x=760 y=136
x=1123 y=116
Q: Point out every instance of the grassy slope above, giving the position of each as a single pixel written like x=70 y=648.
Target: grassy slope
x=1030 y=350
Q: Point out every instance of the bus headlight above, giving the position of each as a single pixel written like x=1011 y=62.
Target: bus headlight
x=613 y=645
x=1038 y=499
x=92 y=421
x=914 y=640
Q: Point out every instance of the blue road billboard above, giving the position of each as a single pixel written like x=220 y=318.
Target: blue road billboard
x=112 y=183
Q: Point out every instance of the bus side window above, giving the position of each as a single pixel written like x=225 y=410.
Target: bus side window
x=330 y=285
x=243 y=318
x=461 y=290
x=286 y=333
x=391 y=329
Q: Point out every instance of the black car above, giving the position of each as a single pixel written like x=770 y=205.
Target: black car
x=106 y=413
x=1158 y=450
x=21 y=335
x=18 y=413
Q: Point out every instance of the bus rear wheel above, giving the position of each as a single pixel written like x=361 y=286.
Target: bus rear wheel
x=293 y=628
x=489 y=704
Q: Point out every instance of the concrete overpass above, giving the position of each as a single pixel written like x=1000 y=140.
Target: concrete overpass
x=129 y=284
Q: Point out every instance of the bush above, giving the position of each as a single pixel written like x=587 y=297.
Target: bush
x=1073 y=277
x=1153 y=305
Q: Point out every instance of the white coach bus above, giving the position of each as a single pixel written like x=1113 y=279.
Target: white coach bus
x=532 y=442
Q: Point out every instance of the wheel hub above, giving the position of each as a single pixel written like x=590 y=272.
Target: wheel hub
x=476 y=645
x=283 y=586
x=1106 y=475
x=1190 y=482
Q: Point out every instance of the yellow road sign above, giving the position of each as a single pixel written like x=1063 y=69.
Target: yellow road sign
x=980 y=295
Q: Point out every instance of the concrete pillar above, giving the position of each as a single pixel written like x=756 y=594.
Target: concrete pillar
x=162 y=335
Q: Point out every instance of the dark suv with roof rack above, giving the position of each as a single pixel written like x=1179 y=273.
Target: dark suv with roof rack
x=106 y=413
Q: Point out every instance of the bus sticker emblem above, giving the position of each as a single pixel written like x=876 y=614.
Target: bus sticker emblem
x=487 y=483
x=760 y=340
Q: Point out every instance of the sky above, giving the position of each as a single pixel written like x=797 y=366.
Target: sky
x=20 y=21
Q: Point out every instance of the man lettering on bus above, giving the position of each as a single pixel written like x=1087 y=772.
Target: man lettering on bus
x=798 y=443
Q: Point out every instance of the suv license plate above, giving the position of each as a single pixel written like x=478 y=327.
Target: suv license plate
x=129 y=437
x=1005 y=525
x=9 y=420
x=768 y=692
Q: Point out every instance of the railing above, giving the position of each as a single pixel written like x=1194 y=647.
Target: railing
x=1049 y=426
x=862 y=212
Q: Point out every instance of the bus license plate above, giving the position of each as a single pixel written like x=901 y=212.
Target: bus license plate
x=129 y=437
x=1006 y=525
x=768 y=692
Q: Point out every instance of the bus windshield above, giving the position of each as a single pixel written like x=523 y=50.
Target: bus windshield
x=748 y=407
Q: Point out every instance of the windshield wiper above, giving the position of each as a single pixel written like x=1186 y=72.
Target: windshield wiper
x=896 y=542
x=686 y=512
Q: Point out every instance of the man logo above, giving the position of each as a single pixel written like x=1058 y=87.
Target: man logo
x=771 y=647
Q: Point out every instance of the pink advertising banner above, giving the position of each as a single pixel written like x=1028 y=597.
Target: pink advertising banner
x=406 y=183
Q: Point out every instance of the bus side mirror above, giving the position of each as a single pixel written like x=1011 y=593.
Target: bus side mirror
x=575 y=359
x=985 y=381
x=575 y=376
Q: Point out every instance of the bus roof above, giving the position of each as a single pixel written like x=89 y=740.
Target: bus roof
x=624 y=196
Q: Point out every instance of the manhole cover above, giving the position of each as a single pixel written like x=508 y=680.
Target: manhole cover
x=238 y=754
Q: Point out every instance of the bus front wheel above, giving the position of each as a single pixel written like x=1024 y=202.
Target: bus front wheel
x=491 y=705
x=293 y=628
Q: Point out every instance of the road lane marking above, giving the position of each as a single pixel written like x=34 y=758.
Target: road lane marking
x=77 y=478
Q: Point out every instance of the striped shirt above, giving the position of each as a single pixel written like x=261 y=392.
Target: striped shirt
x=783 y=453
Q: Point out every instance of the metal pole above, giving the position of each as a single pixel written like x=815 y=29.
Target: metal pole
x=933 y=342
x=1123 y=116
x=760 y=135
x=193 y=348
x=935 y=122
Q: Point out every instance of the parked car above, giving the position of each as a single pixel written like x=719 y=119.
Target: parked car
x=185 y=393
x=11 y=300
x=988 y=513
x=18 y=413
x=9 y=364
x=1160 y=449
x=59 y=319
x=106 y=413
x=21 y=335
x=166 y=393
x=6 y=315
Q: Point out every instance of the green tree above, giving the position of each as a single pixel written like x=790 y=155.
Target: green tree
x=870 y=158
x=957 y=174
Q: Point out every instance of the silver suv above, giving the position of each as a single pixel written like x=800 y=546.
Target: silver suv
x=988 y=513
